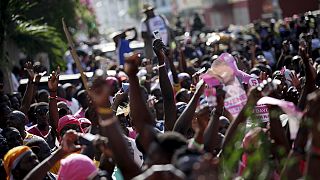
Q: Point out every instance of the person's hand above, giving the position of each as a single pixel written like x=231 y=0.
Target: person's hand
x=68 y=142
x=295 y=80
x=132 y=63
x=303 y=51
x=33 y=74
x=99 y=92
x=158 y=47
x=101 y=143
x=263 y=76
x=53 y=80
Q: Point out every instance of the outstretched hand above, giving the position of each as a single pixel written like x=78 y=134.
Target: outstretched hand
x=33 y=76
x=132 y=63
x=68 y=142
x=158 y=47
x=99 y=92
x=53 y=80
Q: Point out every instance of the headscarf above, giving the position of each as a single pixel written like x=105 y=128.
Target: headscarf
x=13 y=157
x=67 y=119
x=76 y=166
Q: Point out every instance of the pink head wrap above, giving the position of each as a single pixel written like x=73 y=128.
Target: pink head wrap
x=76 y=166
x=67 y=119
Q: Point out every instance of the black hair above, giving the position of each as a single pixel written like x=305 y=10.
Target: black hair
x=169 y=142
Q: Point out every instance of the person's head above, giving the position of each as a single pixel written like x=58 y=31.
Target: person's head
x=292 y=95
x=15 y=103
x=114 y=84
x=83 y=99
x=40 y=147
x=43 y=96
x=185 y=80
x=76 y=166
x=61 y=92
x=17 y=119
x=41 y=113
x=12 y=136
x=4 y=99
x=183 y=95
x=70 y=90
x=19 y=161
x=163 y=147
x=156 y=92
x=184 y=159
x=66 y=123
x=4 y=115
x=158 y=106
x=148 y=10
x=63 y=109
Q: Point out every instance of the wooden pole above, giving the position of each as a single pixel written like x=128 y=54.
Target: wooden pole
x=75 y=56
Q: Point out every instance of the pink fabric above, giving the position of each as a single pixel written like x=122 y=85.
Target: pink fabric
x=132 y=133
x=67 y=119
x=76 y=166
x=229 y=59
x=80 y=114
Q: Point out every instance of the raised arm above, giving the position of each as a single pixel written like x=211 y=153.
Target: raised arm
x=110 y=128
x=53 y=82
x=166 y=88
x=211 y=133
x=140 y=115
x=33 y=80
x=184 y=121
x=310 y=84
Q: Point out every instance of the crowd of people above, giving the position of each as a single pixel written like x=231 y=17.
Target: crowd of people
x=242 y=107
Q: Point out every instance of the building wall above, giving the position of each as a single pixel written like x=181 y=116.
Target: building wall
x=290 y=7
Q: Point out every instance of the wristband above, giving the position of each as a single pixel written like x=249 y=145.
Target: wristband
x=160 y=66
x=53 y=97
x=104 y=111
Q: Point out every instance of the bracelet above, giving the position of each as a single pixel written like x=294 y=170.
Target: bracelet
x=104 y=111
x=53 y=97
x=107 y=122
x=160 y=66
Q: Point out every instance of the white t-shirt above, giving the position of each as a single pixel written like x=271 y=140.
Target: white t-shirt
x=157 y=23
x=135 y=153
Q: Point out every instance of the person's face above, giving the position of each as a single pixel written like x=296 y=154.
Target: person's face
x=15 y=103
x=27 y=163
x=5 y=112
x=186 y=82
x=159 y=109
x=83 y=100
x=185 y=97
x=42 y=115
x=69 y=91
x=150 y=13
x=14 y=138
x=43 y=97
x=16 y=122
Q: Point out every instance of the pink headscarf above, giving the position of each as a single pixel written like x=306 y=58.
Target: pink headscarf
x=67 y=119
x=76 y=166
